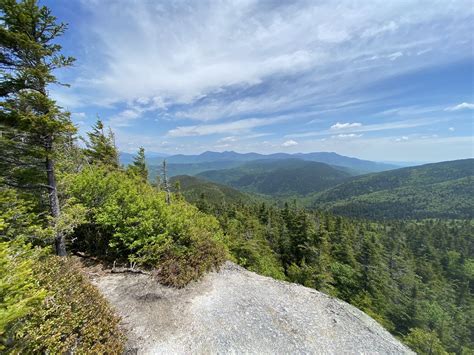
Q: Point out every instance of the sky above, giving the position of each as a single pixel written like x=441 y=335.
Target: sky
x=380 y=80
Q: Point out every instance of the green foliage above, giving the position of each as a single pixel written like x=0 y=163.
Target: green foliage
x=246 y=240
x=286 y=177
x=129 y=220
x=19 y=220
x=20 y=293
x=424 y=342
x=441 y=190
x=28 y=58
x=100 y=146
x=48 y=306
x=34 y=125
x=138 y=165
x=198 y=191
x=74 y=316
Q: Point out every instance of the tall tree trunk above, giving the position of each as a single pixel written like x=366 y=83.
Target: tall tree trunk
x=59 y=240
x=165 y=183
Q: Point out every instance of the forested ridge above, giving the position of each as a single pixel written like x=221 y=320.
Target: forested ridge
x=61 y=194
x=277 y=178
x=439 y=190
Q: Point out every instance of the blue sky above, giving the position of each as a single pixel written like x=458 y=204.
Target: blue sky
x=381 y=80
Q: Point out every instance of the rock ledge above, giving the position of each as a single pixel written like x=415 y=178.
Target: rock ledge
x=237 y=311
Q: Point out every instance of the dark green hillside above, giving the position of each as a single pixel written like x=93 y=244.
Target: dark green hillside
x=442 y=190
x=195 y=189
x=359 y=165
x=287 y=177
x=191 y=168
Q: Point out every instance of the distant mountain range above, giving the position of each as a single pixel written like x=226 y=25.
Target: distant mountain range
x=127 y=158
x=195 y=164
x=321 y=157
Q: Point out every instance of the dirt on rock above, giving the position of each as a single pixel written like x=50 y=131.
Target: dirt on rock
x=234 y=311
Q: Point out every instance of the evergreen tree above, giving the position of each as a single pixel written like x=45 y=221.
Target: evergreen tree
x=28 y=57
x=138 y=166
x=101 y=147
x=324 y=278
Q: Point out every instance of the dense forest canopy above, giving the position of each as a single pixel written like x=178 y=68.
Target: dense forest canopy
x=439 y=190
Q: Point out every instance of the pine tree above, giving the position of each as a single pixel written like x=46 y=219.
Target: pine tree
x=101 y=147
x=138 y=166
x=324 y=277
x=28 y=57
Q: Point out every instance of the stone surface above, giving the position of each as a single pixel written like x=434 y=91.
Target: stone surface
x=236 y=311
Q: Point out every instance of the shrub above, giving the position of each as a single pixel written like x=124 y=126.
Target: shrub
x=20 y=293
x=74 y=317
x=129 y=220
x=424 y=342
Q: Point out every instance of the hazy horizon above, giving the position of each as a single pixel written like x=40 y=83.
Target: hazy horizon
x=152 y=154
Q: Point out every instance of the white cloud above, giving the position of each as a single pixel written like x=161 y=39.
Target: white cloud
x=401 y=139
x=78 y=114
x=347 y=125
x=395 y=55
x=227 y=139
x=66 y=98
x=183 y=52
x=289 y=143
x=377 y=31
x=373 y=127
x=451 y=129
x=349 y=135
x=463 y=106
x=124 y=118
x=219 y=128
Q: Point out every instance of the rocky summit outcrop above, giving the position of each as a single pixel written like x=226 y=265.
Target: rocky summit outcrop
x=236 y=311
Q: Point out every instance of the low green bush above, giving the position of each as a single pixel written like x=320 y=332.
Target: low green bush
x=128 y=220
x=20 y=292
x=48 y=306
x=73 y=317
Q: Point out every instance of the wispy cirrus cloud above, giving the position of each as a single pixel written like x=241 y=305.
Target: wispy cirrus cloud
x=185 y=70
x=371 y=127
x=339 y=126
x=221 y=128
x=184 y=51
x=347 y=135
x=463 y=106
